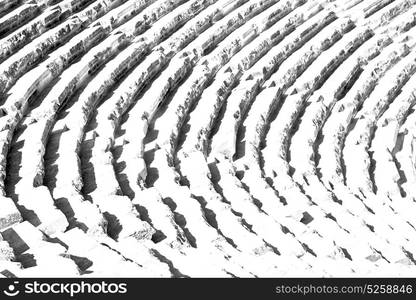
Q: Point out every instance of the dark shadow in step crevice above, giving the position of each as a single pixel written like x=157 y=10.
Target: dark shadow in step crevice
x=410 y=256
x=231 y=274
x=185 y=126
x=316 y=155
x=243 y=221
x=152 y=173
x=371 y=171
x=210 y=215
x=114 y=226
x=121 y=177
x=215 y=178
x=215 y=127
x=181 y=221
x=29 y=215
x=50 y=158
x=158 y=236
x=397 y=148
x=308 y=249
x=7 y=274
x=53 y=142
x=365 y=205
x=83 y=263
x=293 y=130
x=15 y=241
x=346 y=253
x=14 y=159
x=211 y=218
x=65 y=207
x=152 y=131
x=256 y=201
x=123 y=180
x=306 y=218
x=343 y=166
x=274 y=249
x=87 y=169
x=27 y=260
x=174 y=271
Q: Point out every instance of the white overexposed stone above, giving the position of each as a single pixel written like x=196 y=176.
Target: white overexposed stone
x=201 y=138
x=9 y=213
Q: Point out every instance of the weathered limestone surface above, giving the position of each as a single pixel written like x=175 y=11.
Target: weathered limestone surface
x=207 y=138
x=9 y=214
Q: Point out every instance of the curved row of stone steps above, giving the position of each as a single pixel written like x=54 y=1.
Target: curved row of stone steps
x=207 y=138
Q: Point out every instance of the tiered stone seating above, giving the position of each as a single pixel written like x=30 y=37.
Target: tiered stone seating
x=49 y=18
x=387 y=175
x=210 y=138
x=335 y=128
x=203 y=117
x=305 y=137
x=109 y=114
x=21 y=14
x=36 y=254
x=263 y=68
x=308 y=180
x=43 y=126
x=357 y=142
x=106 y=198
x=208 y=113
x=101 y=138
x=193 y=159
x=179 y=66
x=101 y=260
x=221 y=214
x=16 y=65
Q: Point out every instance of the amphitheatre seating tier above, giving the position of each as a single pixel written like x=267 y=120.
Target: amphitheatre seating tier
x=207 y=138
